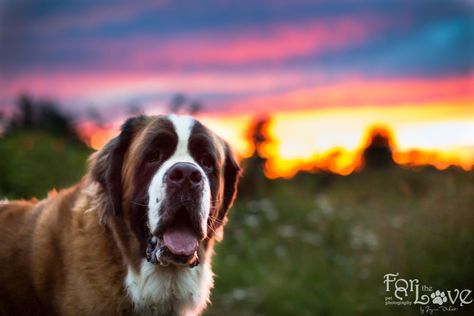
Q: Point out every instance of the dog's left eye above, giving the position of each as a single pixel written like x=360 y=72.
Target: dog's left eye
x=155 y=156
x=207 y=163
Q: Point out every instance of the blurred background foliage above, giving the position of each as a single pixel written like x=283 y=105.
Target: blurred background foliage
x=317 y=244
x=310 y=246
x=39 y=151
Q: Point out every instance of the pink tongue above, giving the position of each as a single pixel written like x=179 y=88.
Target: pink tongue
x=180 y=240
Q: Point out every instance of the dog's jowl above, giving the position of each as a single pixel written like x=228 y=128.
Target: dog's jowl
x=134 y=237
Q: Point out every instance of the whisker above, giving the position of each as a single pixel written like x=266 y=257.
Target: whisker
x=216 y=220
x=137 y=203
x=214 y=203
x=213 y=228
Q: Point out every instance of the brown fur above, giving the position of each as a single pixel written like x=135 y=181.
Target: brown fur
x=49 y=264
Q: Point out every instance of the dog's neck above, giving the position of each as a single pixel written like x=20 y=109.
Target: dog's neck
x=171 y=290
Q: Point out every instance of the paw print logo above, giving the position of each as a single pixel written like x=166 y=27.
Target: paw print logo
x=438 y=297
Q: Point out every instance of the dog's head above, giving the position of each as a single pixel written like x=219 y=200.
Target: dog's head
x=170 y=181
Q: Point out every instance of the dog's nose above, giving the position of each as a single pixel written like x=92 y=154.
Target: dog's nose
x=184 y=172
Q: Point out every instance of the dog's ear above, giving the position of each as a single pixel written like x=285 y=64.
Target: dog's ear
x=107 y=168
x=232 y=173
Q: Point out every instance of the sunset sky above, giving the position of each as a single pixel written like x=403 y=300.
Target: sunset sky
x=323 y=70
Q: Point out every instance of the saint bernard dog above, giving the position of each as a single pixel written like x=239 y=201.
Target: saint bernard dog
x=134 y=237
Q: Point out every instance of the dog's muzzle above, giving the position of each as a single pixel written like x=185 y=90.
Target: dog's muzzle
x=176 y=239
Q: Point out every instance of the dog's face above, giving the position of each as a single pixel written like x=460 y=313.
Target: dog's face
x=172 y=181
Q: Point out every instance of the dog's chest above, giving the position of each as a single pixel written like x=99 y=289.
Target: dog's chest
x=169 y=291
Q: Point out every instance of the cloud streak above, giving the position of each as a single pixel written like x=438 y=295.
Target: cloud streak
x=364 y=93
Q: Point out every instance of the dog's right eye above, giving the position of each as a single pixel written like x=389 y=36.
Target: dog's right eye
x=207 y=163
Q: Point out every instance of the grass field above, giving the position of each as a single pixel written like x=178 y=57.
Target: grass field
x=322 y=248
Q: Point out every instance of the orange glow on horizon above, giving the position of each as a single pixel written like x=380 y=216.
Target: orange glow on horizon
x=342 y=161
x=333 y=139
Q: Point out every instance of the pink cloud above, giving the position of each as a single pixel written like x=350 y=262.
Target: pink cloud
x=274 y=43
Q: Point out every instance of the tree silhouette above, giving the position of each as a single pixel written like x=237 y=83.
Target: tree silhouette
x=254 y=181
x=134 y=109
x=181 y=104
x=259 y=137
x=195 y=107
x=2 y=123
x=25 y=105
x=378 y=152
x=177 y=102
x=42 y=115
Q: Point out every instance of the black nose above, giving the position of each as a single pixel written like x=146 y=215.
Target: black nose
x=182 y=173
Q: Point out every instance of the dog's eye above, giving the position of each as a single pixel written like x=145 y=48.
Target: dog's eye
x=155 y=156
x=207 y=163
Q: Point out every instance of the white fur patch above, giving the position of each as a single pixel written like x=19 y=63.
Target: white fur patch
x=163 y=290
x=159 y=290
x=157 y=188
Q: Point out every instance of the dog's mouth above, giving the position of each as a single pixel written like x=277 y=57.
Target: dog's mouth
x=180 y=237
x=176 y=243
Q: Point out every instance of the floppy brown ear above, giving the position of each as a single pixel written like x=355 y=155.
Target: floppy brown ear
x=232 y=173
x=107 y=169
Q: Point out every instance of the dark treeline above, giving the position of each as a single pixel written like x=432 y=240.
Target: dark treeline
x=46 y=116
x=41 y=115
